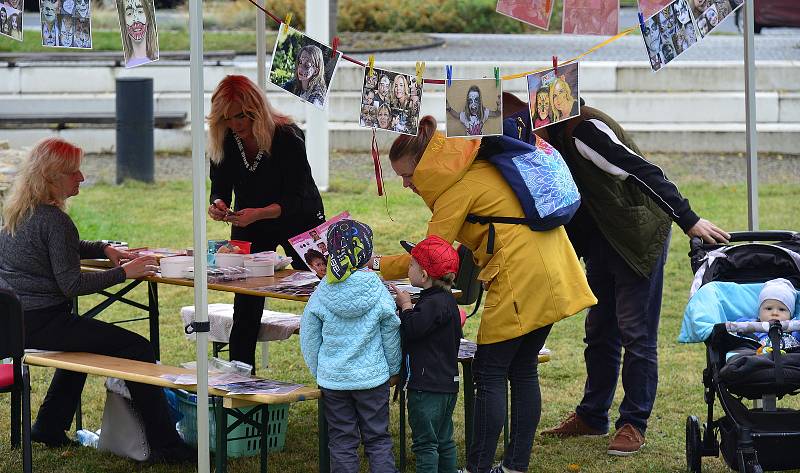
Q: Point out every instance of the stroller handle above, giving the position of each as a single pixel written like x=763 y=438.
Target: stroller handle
x=697 y=243
x=751 y=327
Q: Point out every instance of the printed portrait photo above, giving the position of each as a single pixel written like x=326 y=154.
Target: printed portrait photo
x=303 y=66
x=669 y=33
x=390 y=101
x=137 y=24
x=11 y=19
x=48 y=10
x=593 y=17
x=473 y=107
x=651 y=7
x=533 y=12
x=553 y=97
x=711 y=12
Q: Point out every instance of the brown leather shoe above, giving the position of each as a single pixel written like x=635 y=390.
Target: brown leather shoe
x=627 y=440
x=573 y=426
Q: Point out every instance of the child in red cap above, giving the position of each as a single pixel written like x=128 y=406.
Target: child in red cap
x=431 y=333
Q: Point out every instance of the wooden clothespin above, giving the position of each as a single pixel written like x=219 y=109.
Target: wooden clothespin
x=497 y=76
x=286 y=23
x=420 y=72
x=371 y=65
x=547 y=5
x=335 y=45
x=555 y=65
x=449 y=72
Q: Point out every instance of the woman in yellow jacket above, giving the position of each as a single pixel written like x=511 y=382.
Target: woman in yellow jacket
x=533 y=280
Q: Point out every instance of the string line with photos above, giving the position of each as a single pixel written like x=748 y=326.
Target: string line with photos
x=421 y=65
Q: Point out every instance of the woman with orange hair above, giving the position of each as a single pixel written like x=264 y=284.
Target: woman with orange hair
x=40 y=253
x=259 y=155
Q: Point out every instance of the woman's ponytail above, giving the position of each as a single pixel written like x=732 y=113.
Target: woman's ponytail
x=414 y=146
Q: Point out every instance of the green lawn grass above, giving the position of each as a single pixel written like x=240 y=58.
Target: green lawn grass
x=160 y=215
x=109 y=40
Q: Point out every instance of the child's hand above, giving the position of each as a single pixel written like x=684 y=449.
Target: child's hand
x=403 y=299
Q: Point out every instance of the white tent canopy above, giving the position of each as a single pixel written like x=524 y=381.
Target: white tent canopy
x=317 y=24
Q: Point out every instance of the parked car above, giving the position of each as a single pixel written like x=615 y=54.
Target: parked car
x=772 y=13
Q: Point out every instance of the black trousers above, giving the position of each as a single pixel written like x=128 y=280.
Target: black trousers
x=56 y=328
x=247 y=310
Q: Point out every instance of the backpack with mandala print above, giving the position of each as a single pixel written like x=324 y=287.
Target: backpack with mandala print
x=538 y=176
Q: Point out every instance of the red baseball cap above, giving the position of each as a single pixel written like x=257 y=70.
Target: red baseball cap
x=435 y=254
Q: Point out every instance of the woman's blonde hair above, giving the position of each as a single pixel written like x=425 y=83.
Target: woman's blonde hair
x=393 y=98
x=37 y=178
x=318 y=81
x=241 y=90
x=560 y=80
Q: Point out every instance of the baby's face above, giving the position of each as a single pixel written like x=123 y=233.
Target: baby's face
x=771 y=309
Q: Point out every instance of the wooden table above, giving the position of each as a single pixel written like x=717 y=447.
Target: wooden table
x=247 y=286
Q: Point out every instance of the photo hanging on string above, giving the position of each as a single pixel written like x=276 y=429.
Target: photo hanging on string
x=649 y=8
x=532 y=12
x=591 y=17
x=11 y=19
x=390 y=101
x=303 y=66
x=710 y=13
x=137 y=25
x=668 y=33
x=553 y=96
x=473 y=108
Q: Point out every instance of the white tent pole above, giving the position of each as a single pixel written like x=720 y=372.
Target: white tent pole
x=199 y=220
x=317 y=139
x=750 y=116
x=261 y=47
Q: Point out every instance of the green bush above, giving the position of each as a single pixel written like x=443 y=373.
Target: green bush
x=425 y=16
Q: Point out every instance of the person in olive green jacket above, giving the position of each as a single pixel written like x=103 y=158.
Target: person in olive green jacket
x=622 y=231
x=534 y=279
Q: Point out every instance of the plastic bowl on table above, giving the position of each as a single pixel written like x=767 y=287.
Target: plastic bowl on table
x=175 y=266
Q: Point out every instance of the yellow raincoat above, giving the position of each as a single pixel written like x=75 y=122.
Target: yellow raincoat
x=534 y=278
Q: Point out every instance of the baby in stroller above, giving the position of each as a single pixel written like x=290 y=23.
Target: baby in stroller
x=776 y=301
x=731 y=282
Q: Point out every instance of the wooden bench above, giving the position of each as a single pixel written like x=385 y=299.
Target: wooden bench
x=61 y=121
x=150 y=373
x=115 y=57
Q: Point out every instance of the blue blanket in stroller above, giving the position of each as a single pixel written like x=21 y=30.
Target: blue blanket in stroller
x=718 y=302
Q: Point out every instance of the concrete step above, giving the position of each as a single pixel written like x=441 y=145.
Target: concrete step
x=663 y=137
x=629 y=107
x=596 y=76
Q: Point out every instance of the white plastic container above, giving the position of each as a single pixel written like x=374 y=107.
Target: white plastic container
x=259 y=267
x=229 y=260
x=175 y=266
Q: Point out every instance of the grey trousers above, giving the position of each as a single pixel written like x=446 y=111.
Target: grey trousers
x=359 y=416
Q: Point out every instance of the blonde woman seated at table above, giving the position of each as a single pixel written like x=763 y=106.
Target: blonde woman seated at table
x=40 y=253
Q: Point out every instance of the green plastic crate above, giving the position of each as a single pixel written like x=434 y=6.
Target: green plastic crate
x=244 y=440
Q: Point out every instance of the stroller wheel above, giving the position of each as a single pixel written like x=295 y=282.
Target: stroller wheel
x=693 y=447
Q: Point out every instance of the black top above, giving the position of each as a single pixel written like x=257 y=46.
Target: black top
x=283 y=176
x=431 y=334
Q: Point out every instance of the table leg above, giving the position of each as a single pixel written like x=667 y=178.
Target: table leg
x=78 y=415
x=152 y=310
x=264 y=437
x=469 y=403
x=402 y=429
x=322 y=427
x=221 y=456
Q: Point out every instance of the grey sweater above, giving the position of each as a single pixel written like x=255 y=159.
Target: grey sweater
x=41 y=262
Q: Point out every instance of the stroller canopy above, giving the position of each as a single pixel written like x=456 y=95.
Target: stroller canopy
x=718 y=302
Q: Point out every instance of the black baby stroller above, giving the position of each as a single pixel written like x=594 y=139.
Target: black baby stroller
x=727 y=281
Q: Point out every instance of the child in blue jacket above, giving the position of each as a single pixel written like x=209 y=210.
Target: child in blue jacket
x=350 y=339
